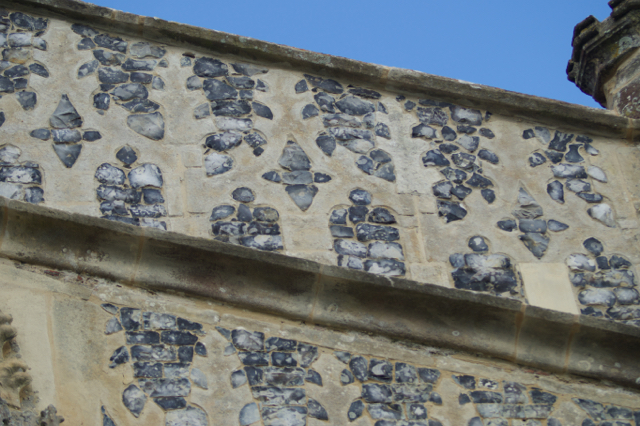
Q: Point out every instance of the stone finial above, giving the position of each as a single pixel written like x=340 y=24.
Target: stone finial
x=605 y=63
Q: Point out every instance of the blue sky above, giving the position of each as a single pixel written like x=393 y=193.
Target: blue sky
x=520 y=45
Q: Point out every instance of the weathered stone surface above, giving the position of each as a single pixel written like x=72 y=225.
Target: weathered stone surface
x=190 y=416
x=302 y=195
x=470 y=143
x=68 y=154
x=466 y=116
x=134 y=399
x=536 y=243
x=604 y=214
x=451 y=211
x=423 y=131
x=352 y=105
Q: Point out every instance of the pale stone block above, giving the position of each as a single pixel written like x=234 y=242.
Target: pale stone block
x=175 y=202
x=547 y=286
x=430 y=273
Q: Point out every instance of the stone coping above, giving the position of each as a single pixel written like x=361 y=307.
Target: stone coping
x=327 y=295
x=551 y=112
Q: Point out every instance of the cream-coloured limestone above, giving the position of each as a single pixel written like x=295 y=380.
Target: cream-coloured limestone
x=432 y=273
x=548 y=286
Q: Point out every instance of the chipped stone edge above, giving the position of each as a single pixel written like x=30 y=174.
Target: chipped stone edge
x=414 y=83
x=327 y=295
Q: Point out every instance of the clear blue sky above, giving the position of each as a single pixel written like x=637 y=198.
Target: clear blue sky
x=519 y=45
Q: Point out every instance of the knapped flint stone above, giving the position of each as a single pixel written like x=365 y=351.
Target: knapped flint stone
x=198 y=378
x=624 y=314
x=325 y=102
x=321 y=178
x=476 y=421
x=91 y=136
x=148 y=125
x=451 y=211
x=330 y=120
x=380 y=250
x=66 y=135
x=435 y=158
x=185 y=61
x=468 y=130
x=349 y=133
x=385 y=267
x=113 y=193
x=307 y=354
x=68 y=154
x=338 y=217
x=20 y=174
x=11 y=191
x=112 y=76
x=573 y=156
x=21 y=83
x=277 y=376
x=294 y=158
x=146 y=175
x=365 y=93
x=533 y=225
x=326 y=143
x=327 y=85
x=358 y=214
x=171 y=403
x=367 y=232
x=359 y=368
x=139 y=65
x=448 y=134
x=602 y=262
x=120 y=356
x=249 y=414
x=355 y=410
x=359 y=146
x=290 y=416
x=454 y=175
x=470 y=143
x=589 y=197
x=423 y=131
x=540 y=397
x=233 y=228
x=272 y=395
x=384 y=411
x=597 y=296
x=216 y=90
x=9 y=154
x=536 y=243
x=17 y=71
x=381 y=370
x=463 y=160
x=127 y=155
x=556 y=226
x=489 y=195
x=39 y=70
x=627 y=296
x=487 y=397
x=479 y=181
x=108 y=58
x=301 y=86
x=42 y=134
x=143 y=49
x=374 y=393
x=338 y=231
x=478 y=244
x=27 y=100
x=116 y=207
x=554 y=156
x=113 y=326
x=142 y=337
x=604 y=214
x=383 y=131
x=190 y=416
x=365 y=164
x=467 y=382
x=194 y=83
x=529 y=207
x=141 y=77
x=309 y=111
x=110 y=175
x=223 y=141
x=618 y=262
x=297 y=177
x=569 y=171
x=302 y=195
x=536 y=159
x=434 y=115
x=248 y=69
x=556 y=191
x=84 y=30
x=134 y=399
x=86 y=44
x=466 y=116
x=230 y=108
x=580 y=262
x=428 y=375
x=209 y=67
x=129 y=91
x=346 y=377
x=597 y=173
x=560 y=141
x=102 y=101
x=352 y=105
x=488 y=156
x=239 y=378
x=247 y=341
x=409 y=105
x=6 y=85
x=577 y=185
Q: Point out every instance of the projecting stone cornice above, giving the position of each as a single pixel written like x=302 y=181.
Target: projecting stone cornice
x=319 y=294
x=514 y=104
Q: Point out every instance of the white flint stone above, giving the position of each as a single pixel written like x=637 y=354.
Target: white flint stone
x=146 y=175
x=597 y=173
x=190 y=416
x=580 y=262
x=10 y=154
x=11 y=191
x=604 y=214
x=198 y=378
x=216 y=164
x=380 y=250
x=230 y=123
